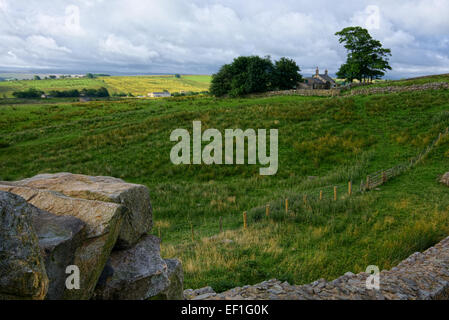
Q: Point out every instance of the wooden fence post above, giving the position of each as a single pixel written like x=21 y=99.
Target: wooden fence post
x=304 y=198
x=350 y=188
x=267 y=210
x=384 y=176
x=321 y=194
x=286 y=205
x=335 y=193
x=193 y=233
x=245 y=225
x=367 y=183
x=221 y=224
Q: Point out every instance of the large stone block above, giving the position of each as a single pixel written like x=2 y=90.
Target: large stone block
x=103 y=224
x=175 y=291
x=137 y=273
x=22 y=269
x=59 y=239
x=135 y=197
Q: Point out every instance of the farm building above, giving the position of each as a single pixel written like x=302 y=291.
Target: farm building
x=159 y=94
x=318 y=81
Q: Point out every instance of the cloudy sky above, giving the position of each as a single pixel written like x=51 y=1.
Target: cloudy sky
x=197 y=36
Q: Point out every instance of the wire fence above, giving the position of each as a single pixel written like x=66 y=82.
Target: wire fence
x=340 y=191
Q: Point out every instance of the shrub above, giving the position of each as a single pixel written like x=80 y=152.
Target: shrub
x=28 y=94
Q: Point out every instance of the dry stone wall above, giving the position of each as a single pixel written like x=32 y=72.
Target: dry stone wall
x=395 y=89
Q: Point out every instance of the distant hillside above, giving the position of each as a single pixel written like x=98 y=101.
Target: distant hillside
x=137 y=85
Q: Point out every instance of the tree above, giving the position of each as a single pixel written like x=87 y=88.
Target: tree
x=254 y=74
x=89 y=76
x=286 y=75
x=37 y=78
x=177 y=76
x=28 y=94
x=366 y=59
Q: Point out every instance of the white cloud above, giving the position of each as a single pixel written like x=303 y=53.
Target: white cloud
x=121 y=48
x=198 y=36
x=43 y=44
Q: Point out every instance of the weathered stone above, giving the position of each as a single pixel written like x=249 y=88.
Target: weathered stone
x=103 y=221
x=22 y=269
x=59 y=238
x=137 y=273
x=135 y=197
x=445 y=179
x=175 y=289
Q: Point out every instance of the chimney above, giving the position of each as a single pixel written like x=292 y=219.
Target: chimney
x=325 y=72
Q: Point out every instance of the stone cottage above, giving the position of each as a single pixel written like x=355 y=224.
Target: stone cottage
x=318 y=81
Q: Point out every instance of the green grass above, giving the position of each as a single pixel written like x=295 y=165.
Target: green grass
x=335 y=139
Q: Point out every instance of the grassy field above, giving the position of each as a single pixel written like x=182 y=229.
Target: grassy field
x=137 y=85
x=8 y=87
x=335 y=139
x=141 y=85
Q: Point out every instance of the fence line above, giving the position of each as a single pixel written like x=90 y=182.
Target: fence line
x=334 y=192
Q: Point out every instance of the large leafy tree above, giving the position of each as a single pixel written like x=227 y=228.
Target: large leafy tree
x=286 y=75
x=367 y=59
x=254 y=74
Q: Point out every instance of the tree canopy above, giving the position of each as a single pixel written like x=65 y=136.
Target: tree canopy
x=253 y=74
x=366 y=59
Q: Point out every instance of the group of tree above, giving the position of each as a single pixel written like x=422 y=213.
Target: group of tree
x=366 y=59
x=32 y=93
x=94 y=93
x=253 y=74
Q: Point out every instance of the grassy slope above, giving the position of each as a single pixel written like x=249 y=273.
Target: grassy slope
x=137 y=85
x=334 y=138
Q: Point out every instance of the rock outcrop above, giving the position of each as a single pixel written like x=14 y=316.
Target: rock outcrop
x=22 y=268
x=99 y=224
x=174 y=291
x=136 y=198
x=103 y=222
x=134 y=274
x=59 y=238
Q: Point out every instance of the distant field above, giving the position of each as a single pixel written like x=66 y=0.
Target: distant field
x=141 y=85
x=137 y=85
x=8 y=87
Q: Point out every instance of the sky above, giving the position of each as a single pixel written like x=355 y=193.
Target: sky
x=197 y=36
